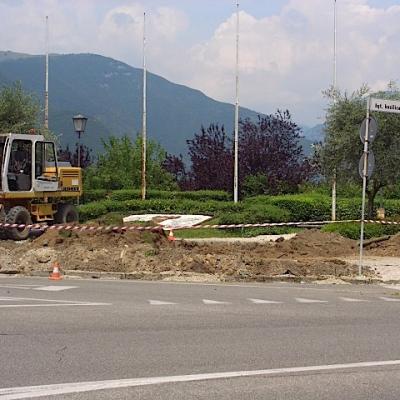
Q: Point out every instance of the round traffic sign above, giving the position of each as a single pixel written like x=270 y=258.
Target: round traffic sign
x=372 y=130
x=370 y=166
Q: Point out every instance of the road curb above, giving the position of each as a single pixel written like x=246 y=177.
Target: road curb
x=145 y=276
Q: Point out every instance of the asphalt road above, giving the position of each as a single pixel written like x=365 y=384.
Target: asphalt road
x=152 y=340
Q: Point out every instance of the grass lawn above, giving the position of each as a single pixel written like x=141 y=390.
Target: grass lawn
x=227 y=233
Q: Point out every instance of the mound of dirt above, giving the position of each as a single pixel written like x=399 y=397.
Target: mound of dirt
x=388 y=248
x=151 y=255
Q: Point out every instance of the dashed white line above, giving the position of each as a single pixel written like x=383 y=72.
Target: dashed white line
x=52 y=305
x=352 y=300
x=389 y=299
x=305 y=301
x=260 y=301
x=29 y=392
x=206 y=301
x=160 y=303
x=54 y=288
x=47 y=302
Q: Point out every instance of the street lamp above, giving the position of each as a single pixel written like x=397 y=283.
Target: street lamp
x=79 y=126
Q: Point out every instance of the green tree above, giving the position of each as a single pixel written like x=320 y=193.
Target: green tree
x=19 y=110
x=119 y=166
x=342 y=148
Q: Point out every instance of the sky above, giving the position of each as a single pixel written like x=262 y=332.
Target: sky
x=286 y=46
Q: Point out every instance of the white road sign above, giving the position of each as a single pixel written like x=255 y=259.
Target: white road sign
x=382 y=105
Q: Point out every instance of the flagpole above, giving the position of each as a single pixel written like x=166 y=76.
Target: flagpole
x=144 y=115
x=334 y=180
x=236 y=138
x=46 y=91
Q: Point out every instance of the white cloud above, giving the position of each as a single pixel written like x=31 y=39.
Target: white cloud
x=285 y=59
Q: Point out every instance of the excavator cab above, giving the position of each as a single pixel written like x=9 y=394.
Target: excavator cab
x=33 y=186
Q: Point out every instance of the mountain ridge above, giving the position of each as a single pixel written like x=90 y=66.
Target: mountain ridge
x=109 y=92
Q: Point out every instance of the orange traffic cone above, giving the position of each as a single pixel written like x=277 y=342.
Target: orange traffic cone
x=56 y=275
x=171 y=236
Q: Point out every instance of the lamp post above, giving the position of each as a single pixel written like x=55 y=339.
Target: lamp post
x=79 y=126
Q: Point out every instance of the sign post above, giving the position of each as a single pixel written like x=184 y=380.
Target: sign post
x=368 y=133
x=364 y=176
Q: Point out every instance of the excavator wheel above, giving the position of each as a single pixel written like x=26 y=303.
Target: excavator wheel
x=18 y=215
x=66 y=213
x=3 y=233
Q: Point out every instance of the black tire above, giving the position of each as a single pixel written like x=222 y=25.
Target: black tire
x=66 y=213
x=3 y=232
x=18 y=215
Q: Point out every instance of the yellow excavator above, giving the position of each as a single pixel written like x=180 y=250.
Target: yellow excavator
x=34 y=186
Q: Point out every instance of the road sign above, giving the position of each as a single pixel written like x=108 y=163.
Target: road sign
x=371 y=164
x=382 y=105
x=372 y=130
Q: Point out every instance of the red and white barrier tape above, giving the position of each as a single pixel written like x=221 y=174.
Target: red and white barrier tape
x=80 y=228
x=263 y=225
x=111 y=228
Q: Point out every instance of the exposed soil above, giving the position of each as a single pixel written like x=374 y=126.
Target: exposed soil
x=150 y=255
x=389 y=248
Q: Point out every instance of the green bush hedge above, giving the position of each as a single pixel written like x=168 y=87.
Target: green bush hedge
x=210 y=207
x=200 y=195
x=93 y=195
x=302 y=207
x=257 y=213
x=258 y=209
x=352 y=230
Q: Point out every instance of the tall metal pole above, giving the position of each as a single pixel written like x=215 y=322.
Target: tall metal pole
x=79 y=149
x=79 y=157
x=144 y=116
x=365 y=176
x=334 y=179
x=46 y=91
x=236 y=140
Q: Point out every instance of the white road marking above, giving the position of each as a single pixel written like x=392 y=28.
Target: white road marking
x=206 y=301
x=23 y=287
x=45 y=300
x=351 y=300
x=54 y=288
x=16 y=393
x=388 y=299
x=48 y=302
x=224 y=285
x=10 y=299
x=303 y=300
x=160 y=303
x=52 y=305
x=259 y=301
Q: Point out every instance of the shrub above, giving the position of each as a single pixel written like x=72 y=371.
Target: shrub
x=256 y=214
x=304 y=207
x=210 y=207
x=93 y=195
x=92 y=210
x=199 y=195
x=348 y=208
x=352 y=230
x=392 y=208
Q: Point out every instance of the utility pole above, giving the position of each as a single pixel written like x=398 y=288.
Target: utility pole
x=46 y=91
x=334 y=179
x=144 y=115
x=236 y=139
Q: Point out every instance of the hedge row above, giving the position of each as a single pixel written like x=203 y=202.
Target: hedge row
x=256 y=214
x=303 y=207
x=352 y=230
x=210 y=207
x=132 y=194
x=314 y=207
